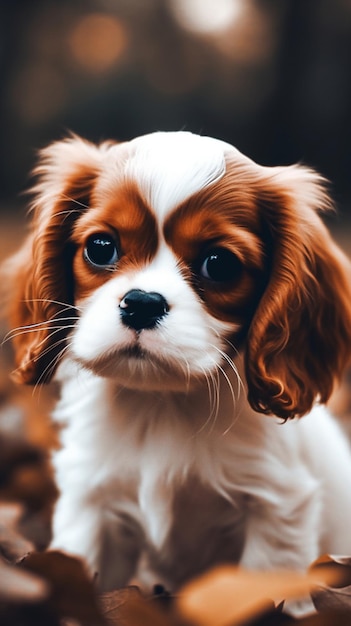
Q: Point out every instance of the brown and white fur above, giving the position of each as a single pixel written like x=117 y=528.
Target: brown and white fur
x=175 y=455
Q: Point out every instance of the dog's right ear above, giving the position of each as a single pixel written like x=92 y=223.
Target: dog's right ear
x=39 y=282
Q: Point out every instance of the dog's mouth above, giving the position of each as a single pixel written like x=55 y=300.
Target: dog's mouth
x=150 y=360
x=123 y=357
x=137 y=367
x=134 y=352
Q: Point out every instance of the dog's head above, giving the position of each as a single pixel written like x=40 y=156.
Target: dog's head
x=152 y=261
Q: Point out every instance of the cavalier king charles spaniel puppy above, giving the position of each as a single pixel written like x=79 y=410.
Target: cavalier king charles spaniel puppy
x=189 y=302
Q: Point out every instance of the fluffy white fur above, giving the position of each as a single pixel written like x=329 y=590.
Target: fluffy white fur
x=250 y=488
x=165 y=469
x=167 y=176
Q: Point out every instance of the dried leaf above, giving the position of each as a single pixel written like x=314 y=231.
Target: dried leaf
x=338 y=595
x=15 y=453
x=330 y=618
x=341 y=565
x=12 y=543
x=230 y=595
x=18 y=586
x=143 y=613
x=113 y=604
x=24 y=473
x=127 y=607
x=72 y=593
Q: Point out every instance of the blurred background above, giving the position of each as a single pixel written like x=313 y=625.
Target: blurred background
x=272 y=77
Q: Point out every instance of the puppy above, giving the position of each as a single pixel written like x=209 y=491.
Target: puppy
x=189 y=302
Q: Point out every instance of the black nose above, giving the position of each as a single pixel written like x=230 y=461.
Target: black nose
x=142 y=309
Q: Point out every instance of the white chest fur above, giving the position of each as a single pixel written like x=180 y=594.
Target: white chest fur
x=165 y=481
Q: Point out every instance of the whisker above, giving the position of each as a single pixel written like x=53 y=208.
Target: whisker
x=231 y=364
x=214 y=380
x=49 y=301
x=211 y=379
x=36 y=328
x=185 y=366
x=22 y=330
x=51 y=346
x=231 y=345
x=228 y=381
x=51 y=365
x=240 y=386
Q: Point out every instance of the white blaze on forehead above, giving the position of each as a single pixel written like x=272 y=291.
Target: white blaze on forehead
x=170 y=167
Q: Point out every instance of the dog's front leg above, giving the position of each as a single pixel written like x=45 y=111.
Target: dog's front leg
x=108 y=548
x=77 y=529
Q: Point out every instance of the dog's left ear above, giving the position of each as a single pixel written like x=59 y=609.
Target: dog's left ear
x=299 y=341
x=39 y=277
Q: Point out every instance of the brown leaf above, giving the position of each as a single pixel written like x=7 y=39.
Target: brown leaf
x=24 y=473
x=329 y=618
x=12 y=544
x=273 y=617
x=72 y=593
x=230 y=595
x=341 y=565
x=19 y=586
x=113 y=604
x=143 y=613
x=127 y=607
x=14 y=453
x=338 y=595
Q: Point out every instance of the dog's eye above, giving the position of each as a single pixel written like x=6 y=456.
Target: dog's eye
x=101 y=250
x=221 y=265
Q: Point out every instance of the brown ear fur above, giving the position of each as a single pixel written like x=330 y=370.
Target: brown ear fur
x=40 y=287
x=300 y=338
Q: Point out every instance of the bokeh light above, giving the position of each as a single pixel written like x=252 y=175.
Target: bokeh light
x=207 y=16
x=97 y=41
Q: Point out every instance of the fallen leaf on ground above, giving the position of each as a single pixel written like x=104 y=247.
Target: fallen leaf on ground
x=231 y=595
x=12 y=543
x=15 y=453
x=329 y=618
x=113 y=604
x=127 y=607
x=336 y=595
x=19 y=586
x=71 y=592
x=24 y=474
